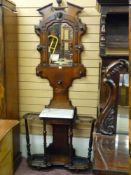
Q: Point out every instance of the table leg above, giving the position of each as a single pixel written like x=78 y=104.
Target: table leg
x=27 y=138
x=71 y=146
x=44 y=135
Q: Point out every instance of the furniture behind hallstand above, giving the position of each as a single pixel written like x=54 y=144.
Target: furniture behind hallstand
x=111 y=147
x=9 y=102
x=6 y=146
x=113 y=40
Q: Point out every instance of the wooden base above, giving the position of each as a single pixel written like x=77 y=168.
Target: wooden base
x=59 y=157
x=37 y=161
x=60 y=152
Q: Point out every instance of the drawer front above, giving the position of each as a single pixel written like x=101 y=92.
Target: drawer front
x=5 y=146
x=6 y=167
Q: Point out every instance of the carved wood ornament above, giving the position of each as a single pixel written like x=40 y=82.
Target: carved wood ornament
x=60 y=76
x=106 y=122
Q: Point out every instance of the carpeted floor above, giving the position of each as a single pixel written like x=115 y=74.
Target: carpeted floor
x=25 y=170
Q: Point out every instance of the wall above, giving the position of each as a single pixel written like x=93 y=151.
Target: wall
x=35 y=92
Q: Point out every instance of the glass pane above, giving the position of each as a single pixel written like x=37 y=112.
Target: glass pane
x=123 y=105
x=60 y=44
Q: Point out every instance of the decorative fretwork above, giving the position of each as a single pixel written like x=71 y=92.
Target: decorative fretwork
x=102 y=35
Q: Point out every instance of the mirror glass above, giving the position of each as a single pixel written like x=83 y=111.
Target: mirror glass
x=123 y=105
x=60 y=44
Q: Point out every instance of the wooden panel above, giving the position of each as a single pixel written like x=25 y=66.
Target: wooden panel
x=34 y=100
x=84 y=3
x=28 y=54
x=32 y=70
x=29 y=29
x=34 y=78
x=91 y=20
x=84 y=103
x=86 y=111
x=40 y=101
x=91 y=46
x=6 y=126
x=34 y=38
x=5 y=146
x=90 y=38
x=73 y=95
x=33 y=62
x=46 y=86
x=6 y=166
x=41 y=86
x=11 y=64
x=33 y=46
x=35 y=93
x=34 y=54
x=83 y=95
x=91 y=63
x=84 y=87
x=89 y=11
x=35 y=20
x=41 y=3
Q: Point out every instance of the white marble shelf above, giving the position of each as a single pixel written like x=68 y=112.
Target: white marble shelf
x=57 y=113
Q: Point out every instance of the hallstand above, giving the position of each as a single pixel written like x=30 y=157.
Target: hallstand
x=60 y=47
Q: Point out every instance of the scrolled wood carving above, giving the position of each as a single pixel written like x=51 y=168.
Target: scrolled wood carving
x=106 y=122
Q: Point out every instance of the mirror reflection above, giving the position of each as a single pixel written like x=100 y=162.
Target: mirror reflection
x=123 y=105
x=60 y=44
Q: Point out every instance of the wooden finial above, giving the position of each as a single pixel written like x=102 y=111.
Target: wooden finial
x=59 y=2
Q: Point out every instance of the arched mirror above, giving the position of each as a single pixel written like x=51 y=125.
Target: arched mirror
x=60 y=44
x=60 y=33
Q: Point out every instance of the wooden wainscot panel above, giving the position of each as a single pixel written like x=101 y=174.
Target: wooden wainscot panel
x=30 y=11
x=41 y=3
x=29 y=29
x=5 y=146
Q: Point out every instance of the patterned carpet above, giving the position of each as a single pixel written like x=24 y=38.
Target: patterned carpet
x=25 y=170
